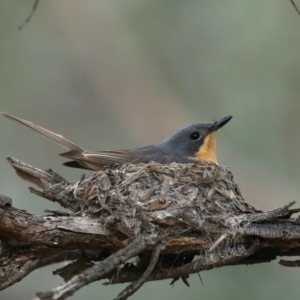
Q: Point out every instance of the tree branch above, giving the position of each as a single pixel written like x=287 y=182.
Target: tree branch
x=295 y=6
x=27 y=20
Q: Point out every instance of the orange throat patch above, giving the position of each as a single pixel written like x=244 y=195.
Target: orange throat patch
x=207 y=151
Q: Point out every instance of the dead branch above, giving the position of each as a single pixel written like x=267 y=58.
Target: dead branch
x=27 y=20
x=295 y=6
x=171 y=220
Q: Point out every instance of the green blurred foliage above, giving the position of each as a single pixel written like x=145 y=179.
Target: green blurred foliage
x=120 y=74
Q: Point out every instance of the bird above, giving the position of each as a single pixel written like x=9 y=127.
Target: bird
x=194 y=143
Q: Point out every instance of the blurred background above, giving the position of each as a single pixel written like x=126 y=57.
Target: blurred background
x=123 y=74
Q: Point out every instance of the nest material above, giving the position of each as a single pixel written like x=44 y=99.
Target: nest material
x=185 y=197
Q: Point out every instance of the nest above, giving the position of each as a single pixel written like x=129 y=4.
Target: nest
x=188 y=198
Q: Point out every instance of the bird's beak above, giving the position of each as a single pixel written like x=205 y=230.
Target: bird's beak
x=219 y=124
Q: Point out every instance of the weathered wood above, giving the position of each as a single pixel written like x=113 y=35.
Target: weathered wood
x=175 y=219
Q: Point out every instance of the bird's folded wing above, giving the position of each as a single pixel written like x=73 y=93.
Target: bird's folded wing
x=94 y=159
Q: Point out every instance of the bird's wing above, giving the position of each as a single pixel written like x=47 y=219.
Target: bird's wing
x=59 y=139
x=95 y=160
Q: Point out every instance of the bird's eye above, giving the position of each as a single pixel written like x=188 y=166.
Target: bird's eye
x=195 y=135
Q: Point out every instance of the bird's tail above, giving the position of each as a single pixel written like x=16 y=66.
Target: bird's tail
x=59 y=139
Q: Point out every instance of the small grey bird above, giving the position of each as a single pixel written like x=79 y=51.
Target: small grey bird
x=196 y=142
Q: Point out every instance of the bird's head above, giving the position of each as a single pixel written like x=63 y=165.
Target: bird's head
x=196 y=141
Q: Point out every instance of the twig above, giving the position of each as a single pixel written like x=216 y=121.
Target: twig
x=23 y=264
x=134 y=286
x=97 y=271
x=268 y=215
x=289 y=263
x=55 y=187
x=30 y=15
x=218 y=242
x=295 y=6
x=273 y=231
x=208 y=262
